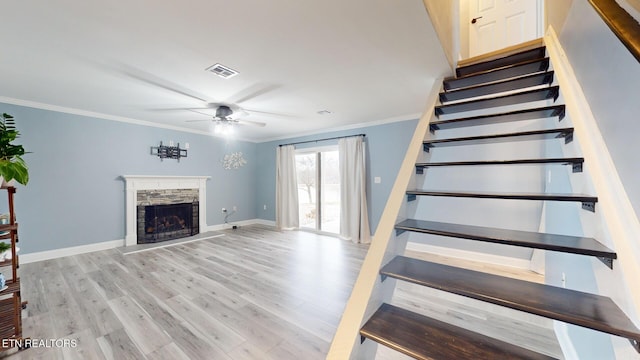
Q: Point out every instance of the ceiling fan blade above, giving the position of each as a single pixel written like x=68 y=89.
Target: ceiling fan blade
x=202 y=112
x=159 y=82
x=252 y=92
x=198 y=120
x=251 y=123
x=180 y=109
x=268 y=113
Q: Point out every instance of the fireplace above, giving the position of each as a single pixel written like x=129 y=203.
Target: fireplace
x=160 y=191
x=166 y=214
x=166 y=222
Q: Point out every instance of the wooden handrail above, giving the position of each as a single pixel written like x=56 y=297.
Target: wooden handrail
x=625 y=26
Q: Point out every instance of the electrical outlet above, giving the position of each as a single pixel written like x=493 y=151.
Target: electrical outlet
x=224 y=210
x=264 y=207
x=564 y=280
x=235 y=208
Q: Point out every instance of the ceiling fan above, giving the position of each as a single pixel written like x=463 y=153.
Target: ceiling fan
x=226 y=117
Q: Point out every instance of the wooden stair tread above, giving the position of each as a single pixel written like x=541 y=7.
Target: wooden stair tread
x=531 y=54
x=511 y=196
x=505 y=72
x=520 y=115
x=421 y=337
x=535 y=240
x=537 y=79
x=564 y=161
x=551 y=92
x=496 y=138
x=570 y=306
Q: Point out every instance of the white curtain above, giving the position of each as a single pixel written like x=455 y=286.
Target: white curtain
x=354 y=221
x=286 y=188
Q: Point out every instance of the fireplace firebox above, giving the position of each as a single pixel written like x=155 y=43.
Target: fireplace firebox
x=167 y=221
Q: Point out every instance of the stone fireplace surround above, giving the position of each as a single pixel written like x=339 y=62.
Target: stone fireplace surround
x=136 y=183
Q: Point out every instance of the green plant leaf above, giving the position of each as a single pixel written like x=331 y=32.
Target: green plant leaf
x=12 y=166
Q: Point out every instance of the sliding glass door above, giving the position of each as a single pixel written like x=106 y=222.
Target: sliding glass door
x=319 y=189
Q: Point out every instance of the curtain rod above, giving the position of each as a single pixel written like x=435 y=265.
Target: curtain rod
x=331 y=138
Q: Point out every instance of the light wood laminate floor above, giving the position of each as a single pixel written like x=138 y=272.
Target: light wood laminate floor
x=254 y=293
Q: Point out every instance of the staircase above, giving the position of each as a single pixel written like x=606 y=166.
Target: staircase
x=477 y=96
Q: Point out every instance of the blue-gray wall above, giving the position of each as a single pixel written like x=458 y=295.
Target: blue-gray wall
x=75 y=195
x=386 y=147
x=610 y=78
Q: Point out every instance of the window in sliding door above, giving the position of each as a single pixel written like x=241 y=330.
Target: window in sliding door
x=319 y=189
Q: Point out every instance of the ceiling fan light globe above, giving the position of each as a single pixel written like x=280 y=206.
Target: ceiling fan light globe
x=227 y=129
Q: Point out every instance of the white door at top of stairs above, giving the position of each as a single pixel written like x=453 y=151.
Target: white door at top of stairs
x=496 y=24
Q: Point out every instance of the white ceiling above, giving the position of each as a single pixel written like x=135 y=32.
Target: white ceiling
x=364 y=60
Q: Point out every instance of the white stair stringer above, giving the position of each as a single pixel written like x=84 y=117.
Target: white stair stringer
x=369 y=292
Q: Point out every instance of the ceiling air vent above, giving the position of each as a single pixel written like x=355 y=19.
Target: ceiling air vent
x=222 y=71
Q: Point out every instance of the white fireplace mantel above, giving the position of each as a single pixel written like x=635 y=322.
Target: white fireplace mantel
x=133 y=183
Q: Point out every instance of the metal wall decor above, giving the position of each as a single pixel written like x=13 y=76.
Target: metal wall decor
x=233 y=161
x=169 y=152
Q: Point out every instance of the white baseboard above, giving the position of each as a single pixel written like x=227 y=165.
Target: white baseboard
x=264 y=222
x=69 y=251
x=470 y=255
x=112 y=244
